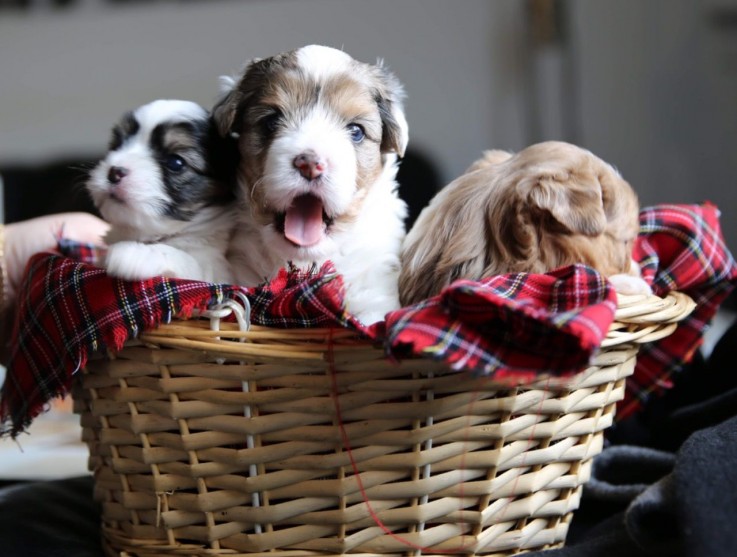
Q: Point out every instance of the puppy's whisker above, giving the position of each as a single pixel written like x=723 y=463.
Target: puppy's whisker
x=85 y=167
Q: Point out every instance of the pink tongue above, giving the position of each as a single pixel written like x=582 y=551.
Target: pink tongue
x=303 y=223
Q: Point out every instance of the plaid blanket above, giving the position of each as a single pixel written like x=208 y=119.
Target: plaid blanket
x=514 y=326
x=680 y=247
x=68 y=308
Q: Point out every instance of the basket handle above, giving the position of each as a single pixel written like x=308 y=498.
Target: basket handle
x=239 y=306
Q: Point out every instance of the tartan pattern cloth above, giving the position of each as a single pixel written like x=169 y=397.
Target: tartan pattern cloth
x=298 y=298
x=79 y=251
x=515 y=326
x=680 y=247
x=512 y=326
x=68 y=308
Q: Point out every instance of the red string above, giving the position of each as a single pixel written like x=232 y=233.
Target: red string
x=354 y=465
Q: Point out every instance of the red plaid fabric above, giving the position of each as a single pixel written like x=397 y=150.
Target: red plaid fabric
x=86 y=253
x=513 y=326
x=67 y=309
x=298 y=298
x=680 y=247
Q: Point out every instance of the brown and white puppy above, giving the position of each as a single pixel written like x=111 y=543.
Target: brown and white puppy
x=319 y=135
x=547 y=206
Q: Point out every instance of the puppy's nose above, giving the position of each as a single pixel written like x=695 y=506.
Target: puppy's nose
x=309 y=164
x=116 y=174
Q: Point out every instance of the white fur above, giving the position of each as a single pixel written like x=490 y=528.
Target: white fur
x=321 y=62
x=365 y=254
x=631 y=284
x=193 y=251
x=364 y=250
x=151 y=114
x=143 y=241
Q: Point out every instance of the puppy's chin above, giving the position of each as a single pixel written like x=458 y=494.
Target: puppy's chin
x=147 y=216
x=148 y=219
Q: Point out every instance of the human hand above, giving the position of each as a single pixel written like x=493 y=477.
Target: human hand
x=25 y=238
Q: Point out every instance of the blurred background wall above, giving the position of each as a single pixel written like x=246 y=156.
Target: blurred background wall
x=649 y=86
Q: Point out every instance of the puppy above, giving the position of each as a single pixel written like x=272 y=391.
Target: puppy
x=550 y=205
x=319 y=135
x=166 y=188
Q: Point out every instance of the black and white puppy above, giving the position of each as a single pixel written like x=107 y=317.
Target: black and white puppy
x=166 y=188
x=319 y=135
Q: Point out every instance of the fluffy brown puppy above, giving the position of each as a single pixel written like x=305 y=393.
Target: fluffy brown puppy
x=547 y=206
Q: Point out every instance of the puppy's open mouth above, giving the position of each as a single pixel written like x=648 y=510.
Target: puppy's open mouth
x=305 y=222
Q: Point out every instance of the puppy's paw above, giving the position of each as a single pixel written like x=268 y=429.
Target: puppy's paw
x=630 y=285
x=132 y=261
x=137 y=261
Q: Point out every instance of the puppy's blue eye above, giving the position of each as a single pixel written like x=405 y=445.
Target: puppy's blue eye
x=175 y=163
x=356 y=132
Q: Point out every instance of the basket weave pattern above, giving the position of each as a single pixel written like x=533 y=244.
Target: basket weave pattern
x=309 y=442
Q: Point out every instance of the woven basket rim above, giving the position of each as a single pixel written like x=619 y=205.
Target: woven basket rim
x=639 y=319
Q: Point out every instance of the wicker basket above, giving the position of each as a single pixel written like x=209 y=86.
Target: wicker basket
x=309 y=442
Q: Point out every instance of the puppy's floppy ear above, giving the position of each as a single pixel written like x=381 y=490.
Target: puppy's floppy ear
x=226 y=107
x=573 y=200
x=389 y=97
x=234 y=93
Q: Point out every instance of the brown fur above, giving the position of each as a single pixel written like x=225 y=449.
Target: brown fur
x=550 y=205
x=365 y=95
